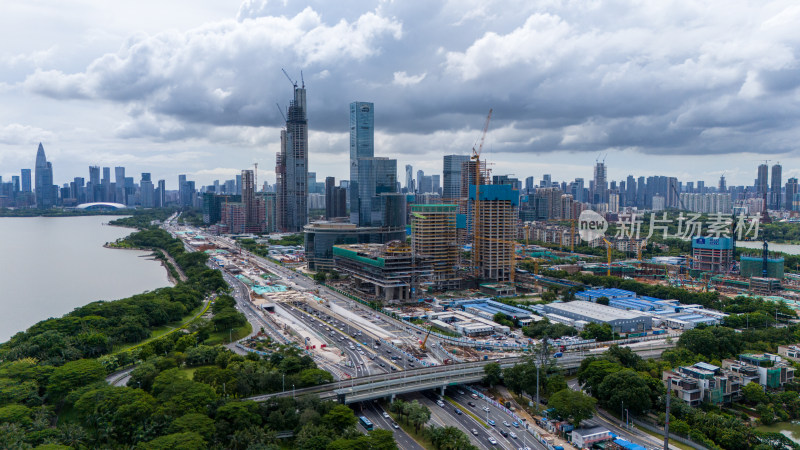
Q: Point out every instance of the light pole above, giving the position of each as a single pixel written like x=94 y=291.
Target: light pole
x=283 y=382
x=292 y=392
x=627 y=417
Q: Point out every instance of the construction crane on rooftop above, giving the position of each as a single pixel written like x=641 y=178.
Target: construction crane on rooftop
x=476 y=156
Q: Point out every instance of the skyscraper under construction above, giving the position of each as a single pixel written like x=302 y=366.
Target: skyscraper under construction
x=291 y=168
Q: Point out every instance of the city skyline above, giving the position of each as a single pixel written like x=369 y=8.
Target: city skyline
x=687 y=109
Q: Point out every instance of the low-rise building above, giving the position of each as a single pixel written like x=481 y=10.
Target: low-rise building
x=703 y=382
x=621 y=321
x=587 y=437
x=790 y=351
x=383 y=272
x=773 y=372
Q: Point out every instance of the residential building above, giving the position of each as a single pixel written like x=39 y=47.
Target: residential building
x=434 y=237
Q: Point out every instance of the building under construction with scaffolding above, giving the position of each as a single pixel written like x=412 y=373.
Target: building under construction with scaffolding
x=494 y=244
x=434 y=237
x=383 y=272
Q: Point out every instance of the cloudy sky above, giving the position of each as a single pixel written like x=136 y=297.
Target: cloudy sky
x=687 y=89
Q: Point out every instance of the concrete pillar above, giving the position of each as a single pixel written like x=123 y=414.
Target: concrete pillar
x=392 y=399
x=443 y=388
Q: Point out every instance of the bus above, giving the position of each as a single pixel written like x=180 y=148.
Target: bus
x=365 y=422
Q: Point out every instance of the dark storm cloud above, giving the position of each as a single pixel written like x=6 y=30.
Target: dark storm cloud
x=677 y=78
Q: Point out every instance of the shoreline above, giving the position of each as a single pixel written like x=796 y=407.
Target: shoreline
x=151 y=255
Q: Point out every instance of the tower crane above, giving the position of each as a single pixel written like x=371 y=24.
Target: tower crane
x=476 y=156
x=608 y=254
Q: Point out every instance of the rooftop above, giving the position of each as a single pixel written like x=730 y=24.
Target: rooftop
x=593 y=310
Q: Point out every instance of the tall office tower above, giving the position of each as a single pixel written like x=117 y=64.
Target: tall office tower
x=119 y=188
x=376 y=176
x=335 y=199
x=529 y=187
x=791 y=192
x=775 y=186
x=672 y=189
x=722 y=187
x=641 y=192
x=630 y=191
x=761 y=181
x=410 y=179
x=238 y=185
x=46 y=192
x=362 y=145
x=181 y=189
x=291 y=168
x=600 y=183
x=161 y=194
x=15 y=183
x=270 y=203
x=547 y=180
x=26 y=180
x=451 y=169
x=701 y=187
x=435 y=184
x=420 y=180
x=77 y=189
x=93 y=192
x=147 y=190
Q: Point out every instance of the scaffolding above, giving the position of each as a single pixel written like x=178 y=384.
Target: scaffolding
x=433 y=236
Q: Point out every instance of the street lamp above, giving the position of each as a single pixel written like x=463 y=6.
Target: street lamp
x=292 y=392
x=283 y=384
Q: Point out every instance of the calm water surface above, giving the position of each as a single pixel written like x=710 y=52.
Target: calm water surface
x=51 y=265
x=789 y=249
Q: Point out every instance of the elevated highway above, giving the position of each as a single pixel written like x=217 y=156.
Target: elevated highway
x=438 y=377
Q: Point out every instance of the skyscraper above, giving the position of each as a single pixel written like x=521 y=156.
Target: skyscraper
x=255 y=216
x=761 y=180
x=26 y=180
x=376 y=176
x=161 y=194
x=46 y=192
x=147 y=191
x=775 y=186
x=362 y=145
x=600 y=183
x=410 y=178
x=453 y=164
x=722 y=187
x=291 y=168
x=791 y=192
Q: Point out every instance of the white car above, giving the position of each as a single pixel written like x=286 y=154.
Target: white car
x=492 y=440
x=385 y=415
x=485 y=408
x=513 y=435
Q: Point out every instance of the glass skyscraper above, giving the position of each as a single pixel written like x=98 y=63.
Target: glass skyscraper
x=46 y=192
x=376 y=176
x=362 y=145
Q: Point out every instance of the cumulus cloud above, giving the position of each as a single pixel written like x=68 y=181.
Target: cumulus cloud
x=640 y=77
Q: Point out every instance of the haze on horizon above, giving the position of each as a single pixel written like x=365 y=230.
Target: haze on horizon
x=677 y=88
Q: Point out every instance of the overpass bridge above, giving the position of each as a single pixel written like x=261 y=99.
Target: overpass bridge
x=437 y=377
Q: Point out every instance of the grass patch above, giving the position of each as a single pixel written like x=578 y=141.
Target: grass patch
x=466 y=411
x=225 y=337
x=409 y=429
x=671 y=441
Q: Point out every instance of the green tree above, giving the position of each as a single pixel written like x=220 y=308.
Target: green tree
x=603 y=300
x=600 y=332
x=492 y=373
x=18 y=414
x=754 y=394
x=555 y=383
x=381 y=439
x=194 y=422
x=594 y=373
x=72 y=375
x=339 y=418
x=176 y=441
x=625 y=389
x=574 y=406
x=320 y=277
x=419 y=415
x=312 y=437
x=121 y=412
